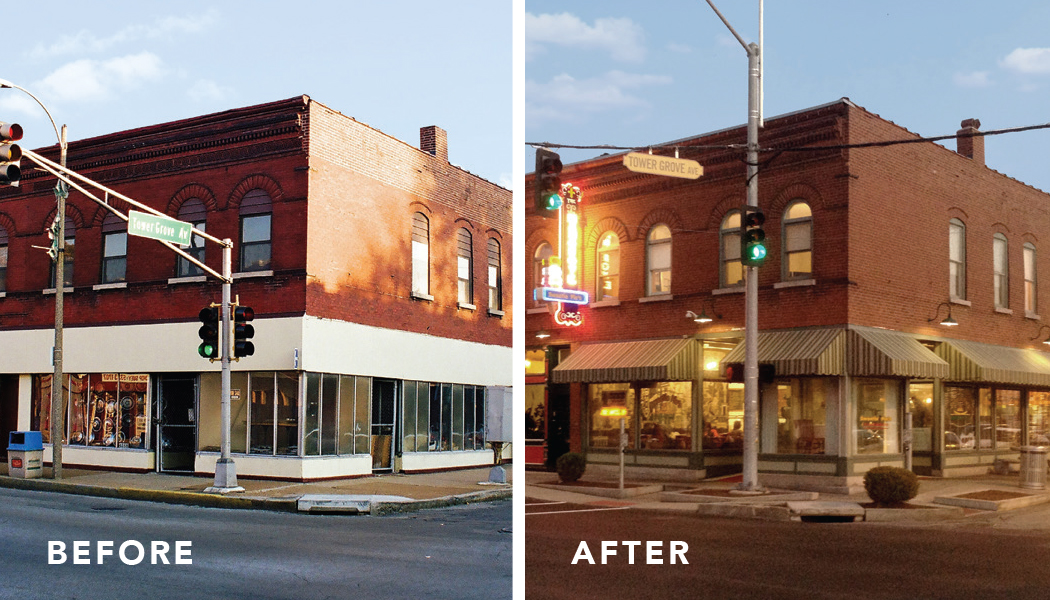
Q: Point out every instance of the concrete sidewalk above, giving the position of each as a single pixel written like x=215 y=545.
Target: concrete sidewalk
x=986 y=498
x=375 y=495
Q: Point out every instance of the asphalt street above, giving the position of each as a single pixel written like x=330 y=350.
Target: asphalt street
x=740 y=559
x=455 y=553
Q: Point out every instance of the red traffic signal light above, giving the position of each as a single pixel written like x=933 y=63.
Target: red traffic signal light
x=10 y=154
x=243 y=332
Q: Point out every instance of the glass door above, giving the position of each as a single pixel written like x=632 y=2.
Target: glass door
x=177 y=425
x=384 y=396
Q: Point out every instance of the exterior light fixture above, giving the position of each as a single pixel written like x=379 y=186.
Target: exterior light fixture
x=947 y=321
x=1039 y=334
x=543 y=335
x=703 y=317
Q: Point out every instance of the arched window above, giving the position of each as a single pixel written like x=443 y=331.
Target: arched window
x=1001 y=268
x=798 y=241
x=420 y=254
x=658 y=261
x=193 y=212
x=495 y=276
x=1030 y=304
x=67 y=271
x=114 y=249
x=957 y=259
x=3 y=259
x=540 y=260
x=465 y=267
x=256 y=231
x=608 y=262
x=732 y=272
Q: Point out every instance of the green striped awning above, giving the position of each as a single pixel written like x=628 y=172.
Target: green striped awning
x=802 y=352
x=881 y=353
x=974 y=361
x=645 y=360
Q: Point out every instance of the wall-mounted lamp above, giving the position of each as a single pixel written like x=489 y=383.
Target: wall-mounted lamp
x=703 y=317
x=948 y=321
x=1039 y=334
x=543 y=335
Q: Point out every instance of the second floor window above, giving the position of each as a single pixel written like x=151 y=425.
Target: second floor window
x=114 y=249
x=495 y=276
x=464 y=267
x=957 y=259
x=1030 y=304
x=798 y=241
x=1002 y=271
x=540 y=263
x=732 y=269
x=256 y=231
x=658 y=261
x=420 y=254
x=608 y=267
x=193 y=212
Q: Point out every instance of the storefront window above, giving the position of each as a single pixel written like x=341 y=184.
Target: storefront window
x=262 y=411
x=665 y=410
x=877 y=425
x=1039 y=418
x=535 y=412
x=723 y=414
x=960 y=411
x=1007 y=419
x=605 y=431
x=106 y=410
x=238 y=413
x=920 y=405
x=801 y=418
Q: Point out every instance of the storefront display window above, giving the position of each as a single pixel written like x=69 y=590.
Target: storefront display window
x=605 y=431
x=1007 y=419
x=877 y=425
x=665 y=411
x=447 y=417
x=960 y=411
x=801 y=415
x=1039 y=418
x=102 y=410
x=723 y=415
x=920 y=405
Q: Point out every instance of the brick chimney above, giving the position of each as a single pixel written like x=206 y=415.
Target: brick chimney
x=434 y=140
x=970 y=145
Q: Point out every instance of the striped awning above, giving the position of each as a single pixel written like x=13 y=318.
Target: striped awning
x=802 y=352
x=646 y=360
x=879 y=353
x=974 y=361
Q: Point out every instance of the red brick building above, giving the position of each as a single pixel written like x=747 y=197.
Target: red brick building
x=870 y=249
x=376 y=271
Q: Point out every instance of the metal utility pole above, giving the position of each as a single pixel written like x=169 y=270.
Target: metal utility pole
x=58 y=398
x=754 y=118
x=225 y=471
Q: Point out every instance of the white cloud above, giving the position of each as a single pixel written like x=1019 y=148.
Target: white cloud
x=565 y=97
x=976 y=79
x=85 y=42
x=1028 y=61
x=14 y=101
x=622 y=38
x=88 y=80
x=207 y=90
x=679 y=48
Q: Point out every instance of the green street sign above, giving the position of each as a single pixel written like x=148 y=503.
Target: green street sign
x=159 y=228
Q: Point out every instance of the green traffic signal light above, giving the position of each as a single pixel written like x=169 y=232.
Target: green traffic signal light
x=209 y=333
x=547 y=183
x=752 y=237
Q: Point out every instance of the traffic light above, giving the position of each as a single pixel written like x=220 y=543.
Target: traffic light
x=209 y=333
x=548 y=183
x=10 y=154
x=52 y=232
x=752 y=237
x=243 y=332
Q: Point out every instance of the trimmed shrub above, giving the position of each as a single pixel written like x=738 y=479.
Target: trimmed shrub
x=570 y=466
x=890 y=485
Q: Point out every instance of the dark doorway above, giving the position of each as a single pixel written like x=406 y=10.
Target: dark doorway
x=384 y=397
x=8 y=409
x=177 y=424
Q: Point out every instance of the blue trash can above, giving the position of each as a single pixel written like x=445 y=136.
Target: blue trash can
x=25 y=454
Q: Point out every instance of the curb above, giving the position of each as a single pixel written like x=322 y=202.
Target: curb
x=389 y=508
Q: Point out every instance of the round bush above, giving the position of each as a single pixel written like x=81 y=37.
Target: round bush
x=890 y=485
x=570 y=466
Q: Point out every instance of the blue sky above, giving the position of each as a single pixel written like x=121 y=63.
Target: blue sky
x=397 y=66
x=638 y=73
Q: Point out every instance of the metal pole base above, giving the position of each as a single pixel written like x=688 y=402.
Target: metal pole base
x=225 y=478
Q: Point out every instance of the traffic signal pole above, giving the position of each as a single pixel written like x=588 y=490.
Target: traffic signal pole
x=225 y=470
x=754 y=117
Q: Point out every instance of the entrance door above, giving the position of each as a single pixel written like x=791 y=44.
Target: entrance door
x=8 y=409
x=177 y=425
x=384 y=395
